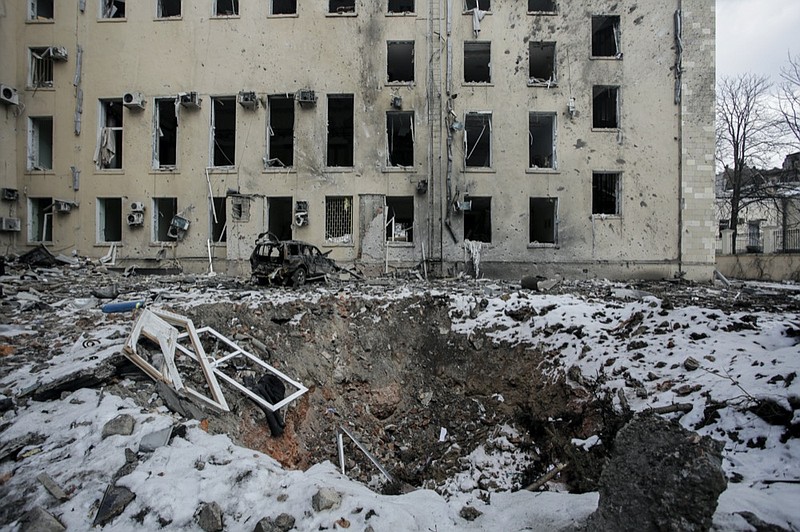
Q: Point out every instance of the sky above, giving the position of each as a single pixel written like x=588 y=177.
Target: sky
x=756 y=36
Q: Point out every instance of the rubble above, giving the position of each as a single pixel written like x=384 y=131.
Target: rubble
x=209 y=517
x=326 y=499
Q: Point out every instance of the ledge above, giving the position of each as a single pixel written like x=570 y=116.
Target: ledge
x=553 y=171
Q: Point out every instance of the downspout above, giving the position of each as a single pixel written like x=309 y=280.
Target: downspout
x=449 y=117
x=679 y=103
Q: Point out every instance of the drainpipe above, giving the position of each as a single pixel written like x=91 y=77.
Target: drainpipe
x=680 y=103
x=449 y=117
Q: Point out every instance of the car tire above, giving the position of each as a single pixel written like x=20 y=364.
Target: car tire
x=299 y=277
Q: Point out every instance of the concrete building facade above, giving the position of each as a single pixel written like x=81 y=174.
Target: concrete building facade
x=533 y=136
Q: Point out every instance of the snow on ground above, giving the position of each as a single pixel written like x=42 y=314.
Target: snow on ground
x=632 y=342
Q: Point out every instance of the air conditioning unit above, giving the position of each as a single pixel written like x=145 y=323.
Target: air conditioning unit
x=134 y=100
x=248 y=99
x=136 y=218
x=301 y=213
x=190 y=100
x=9 y=224
x=9 y=194
x=306 y=97
x=180 y=223
x=137 y=206
x=58 y=53
x=62 y=206
x=8 y=95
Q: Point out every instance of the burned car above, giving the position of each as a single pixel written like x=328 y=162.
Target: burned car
x=292 y=262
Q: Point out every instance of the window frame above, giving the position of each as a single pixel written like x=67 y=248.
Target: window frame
x=617 y=193
x=399 y=202
x=337 y=13
x=553 y=116
x=597 y=90
x=348 y=207
x=391 y=13
x=34 y=144
x=467 y=152
x=552 y=11
x=45 y=221
x=390 y=130
x=102 y=5
x=389 y=55
x=160 y=16
x=269 y=148
x=553 y=81
x=33 y=10
x=235 y=5
x=157 y=129
x=476 y=44
x=351 y=98
x=616 y=33
x=101 y=221
x=39 y=64
x=554 y=206
x=118 y=131
x=468 y=215
x=213 y=139
x=273 y=14
x=156 y=224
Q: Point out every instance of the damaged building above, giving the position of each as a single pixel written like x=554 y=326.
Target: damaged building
x=540 y=136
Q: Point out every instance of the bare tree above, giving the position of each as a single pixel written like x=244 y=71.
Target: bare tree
x=748 y=136
x=789 y=96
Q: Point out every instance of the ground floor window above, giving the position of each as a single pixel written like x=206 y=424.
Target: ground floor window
x=109 y=220
x=164 y=210
x=543 y=220
x=478 y=219
x=40 y=219
x=399 y=218
x=339 y=219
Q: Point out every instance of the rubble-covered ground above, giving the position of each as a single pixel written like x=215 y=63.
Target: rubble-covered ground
x=465 y=391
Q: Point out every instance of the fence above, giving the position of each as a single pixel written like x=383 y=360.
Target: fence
x=766 y=240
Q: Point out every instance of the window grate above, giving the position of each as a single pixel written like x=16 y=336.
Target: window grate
x=339 y=220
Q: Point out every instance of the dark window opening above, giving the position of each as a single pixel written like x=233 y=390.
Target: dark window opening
x=41 y=74
x=605 y=36
x=281 y=131
x=109 y=153
x=340 y=130
x=219 y=225
x=169 y=8
x=280 y=217
x=41 y=10
x=113 y=8
x=342 y=6
x=240 y=208
x=605 y=193
x=223 y=131
x=40 y=144
x=166 y=145
x=400 y=219
x=227 y=8
x=478 y=220
x=541 y=140
x=477 y=62
x=477 y=140
x=284 y=7
x=164 y=210
x=543 y=220
x=109 y=219
x=401 y=6
x=400 y=138
x=40 y=219
x=542 y=62
x=542 y=5
x=483 y=5
x=605 y=107
x=400 y=61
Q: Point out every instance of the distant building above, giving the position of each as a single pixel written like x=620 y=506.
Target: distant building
x=573 y=137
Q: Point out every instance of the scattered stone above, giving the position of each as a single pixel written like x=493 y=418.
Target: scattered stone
x=40 y=520
x=51 y=486
x=661 y=477
x=531 y=282
x=469 y=513
x=154 y=440
x=326 y=499
x=115 y=500
x=343 y=523
x=759 y=524
x=120 y=425
x=209 y=517
x=285 y=522
x=282 y=523
x=690 y=364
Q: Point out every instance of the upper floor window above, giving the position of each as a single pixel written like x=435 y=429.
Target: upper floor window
x=401 y=6
x=223 y=131
x=41 y=68
x=280 y=131
x=482 y=5
x=477 y=62
x=605 y=107
x=340 y=130
x=400 y=138
x=112 y=8
x=605 y=36
x=165 y=146
x=40 y=10
x=541 y=6
x=40 y=143
x=400 y=61
x=478 y=140
x=226 y=8
x=605 y=193
x=542 y=68
x=542 y=140
x=341 y=6
x=108 y=154
x=284 y=7
x=40 y=219
x=169 y=8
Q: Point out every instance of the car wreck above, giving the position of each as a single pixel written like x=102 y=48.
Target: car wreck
x=288 y=262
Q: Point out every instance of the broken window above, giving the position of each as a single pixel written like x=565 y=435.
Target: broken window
x=542 y=140
x=478 y=219
x=477 y=62
x=219 y=220
x=542 y=70
x=340 y=130
x=339 y=219
x=341 y=6
x=165 y=145
x=400 y=219
x=284 y=7
x=223 y=131
x=605 y=193
x=112 y=8
x=164 y=210
x=40 y=10
x=478 y=140
x=401 y=6
x=108 y=154
x=280 y=131
x=541 y=6
x=40 y=143
x=400 y=61
x=605 y=36
x=40 y=219
x=279 y=212
x=240 y=208
x=226 y=8
x=400 y=138
x=543 y=214
x=109 y=220
x=605 y=107
x=483 y=5
x=169 y=8
x=41 y=68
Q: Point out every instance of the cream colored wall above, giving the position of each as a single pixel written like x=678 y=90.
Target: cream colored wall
x=11 y=124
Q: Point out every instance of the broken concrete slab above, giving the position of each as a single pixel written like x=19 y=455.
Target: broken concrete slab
x=40 y=520
x=121 y=425
x=154 y=440
x=326 y=499
x=209 y=517
x=51 y=487
x=115 y=500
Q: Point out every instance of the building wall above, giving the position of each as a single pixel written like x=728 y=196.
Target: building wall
x=10 y=121
x=660 y=148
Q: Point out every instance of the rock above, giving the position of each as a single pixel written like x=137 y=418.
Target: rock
x=343 y=523
x=690 y=364
x=660 y=477
x=122 y=425
x=531 y=282
x=282 y=523
x=115 y=500
x=469 y=513
x=326 y=499
x=209 y=517
x=383 y=401
x=285 y=522
x=40 y=520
